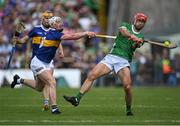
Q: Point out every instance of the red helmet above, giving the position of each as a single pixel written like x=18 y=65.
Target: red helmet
x=141 y=17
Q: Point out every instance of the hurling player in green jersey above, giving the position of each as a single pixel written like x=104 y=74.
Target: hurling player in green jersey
x=118 y=60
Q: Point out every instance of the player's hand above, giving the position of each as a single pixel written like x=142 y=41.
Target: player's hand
x=139 y=41
x=91 y=34
x=16 y=41
x=137 y=45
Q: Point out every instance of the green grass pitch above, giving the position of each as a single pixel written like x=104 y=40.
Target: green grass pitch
x=101 y=106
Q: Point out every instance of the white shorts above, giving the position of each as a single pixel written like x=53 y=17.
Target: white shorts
x=115 y=63
x=37 y=66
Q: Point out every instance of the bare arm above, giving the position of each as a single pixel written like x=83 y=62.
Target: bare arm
x=23 y=39
x=19 y=41
x=60 y=50
x=124 y=32
x=77 y=35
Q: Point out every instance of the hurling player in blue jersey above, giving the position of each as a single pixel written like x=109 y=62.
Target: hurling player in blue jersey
x=45 y=43
x=44 y=27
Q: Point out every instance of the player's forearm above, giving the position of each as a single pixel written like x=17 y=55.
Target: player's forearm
x=124 y=32
x=61 y=49
x=60 y=46
x=74 y=36
x=23 y=40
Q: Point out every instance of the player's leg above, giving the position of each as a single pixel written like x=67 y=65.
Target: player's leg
x=36 y=66
x=44 y=73
x=98 y=71
x=46 y=92
x=49 y=80
x=28 y=82
x=125 y=77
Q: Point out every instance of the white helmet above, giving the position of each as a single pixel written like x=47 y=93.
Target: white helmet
x=55 y=19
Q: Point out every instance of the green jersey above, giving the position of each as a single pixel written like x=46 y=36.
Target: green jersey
x=122 y=46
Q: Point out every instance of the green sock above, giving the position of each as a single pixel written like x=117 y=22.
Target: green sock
x=79 y=96
x=128 y=108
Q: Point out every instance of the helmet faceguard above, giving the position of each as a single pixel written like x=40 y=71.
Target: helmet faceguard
x=56 y=22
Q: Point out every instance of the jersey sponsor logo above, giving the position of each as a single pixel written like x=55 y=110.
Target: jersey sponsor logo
x=40 y=33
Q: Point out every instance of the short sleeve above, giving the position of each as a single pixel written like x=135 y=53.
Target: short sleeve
x=124 y=25
x=31 y=33
x=60 y=35
x=57 y=35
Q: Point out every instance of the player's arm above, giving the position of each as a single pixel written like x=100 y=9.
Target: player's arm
x=30 y=34
x=76 y=36
x=19 y=28
x=60 y=50
x=124 y=32
x=19 y=41
x=23 y=39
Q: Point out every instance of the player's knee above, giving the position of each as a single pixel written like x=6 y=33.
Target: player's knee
x=52 y=84
x=127 y=87
x=50 y=81
x=92 y=76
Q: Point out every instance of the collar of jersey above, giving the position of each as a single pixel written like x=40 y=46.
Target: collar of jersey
x=134 y=30
x=45 y=28
x=53 y=29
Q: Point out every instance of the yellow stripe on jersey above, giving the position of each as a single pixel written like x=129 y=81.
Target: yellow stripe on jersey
x=48 y=43
x=36 y=40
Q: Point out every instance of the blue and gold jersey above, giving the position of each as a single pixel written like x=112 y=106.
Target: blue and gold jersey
x=44 y=43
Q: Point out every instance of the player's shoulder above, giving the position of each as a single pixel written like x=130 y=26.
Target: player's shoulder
x=55 y=31
x=126 y=24
x=37 y=26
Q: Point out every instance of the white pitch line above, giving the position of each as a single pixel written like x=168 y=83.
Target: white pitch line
x=25 y=105
x=90 y=121
x=49 y=121
x=153 y=106
x=100 y=106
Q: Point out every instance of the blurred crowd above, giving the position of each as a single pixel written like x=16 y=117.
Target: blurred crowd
x=158 y=70
x=78 y=15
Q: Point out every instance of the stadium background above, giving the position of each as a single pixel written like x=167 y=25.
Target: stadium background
x=148 y=67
